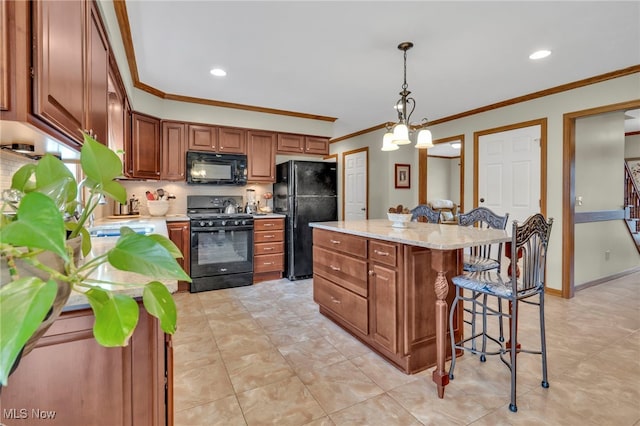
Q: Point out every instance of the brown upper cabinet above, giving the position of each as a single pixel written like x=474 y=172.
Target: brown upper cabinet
x=145 y=147
x=289 y=143
x=261 y=156
x=174 y=146
x=71 y=66
x=4 y=56
x=203 y=137
x=232 y=140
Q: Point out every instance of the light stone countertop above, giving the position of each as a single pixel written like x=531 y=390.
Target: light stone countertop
x=269 y=216
x=107 y=272
x=429 y=235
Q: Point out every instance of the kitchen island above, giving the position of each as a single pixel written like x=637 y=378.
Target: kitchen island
x=72 y=380
x=389 y=287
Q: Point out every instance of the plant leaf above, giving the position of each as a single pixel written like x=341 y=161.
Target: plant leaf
x=99 y=162
x=159 y=303
x=24 y=303
x=142 y=254
x=116 y=317
x=168 y=244
x=22 y=178
x=55 y=179
x=39 y=225
x=116 y=191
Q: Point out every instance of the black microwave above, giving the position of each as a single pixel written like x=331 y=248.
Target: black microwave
x=216 y=169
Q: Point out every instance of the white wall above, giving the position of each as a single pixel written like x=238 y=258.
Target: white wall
x=443 y=179
x=553 y=107
x=632 y=146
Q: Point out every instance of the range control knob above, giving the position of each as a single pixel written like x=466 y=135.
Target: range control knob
x=223 y=223
x=244 y=222
x=237 y=222
x=210 y=223
x=202 y=223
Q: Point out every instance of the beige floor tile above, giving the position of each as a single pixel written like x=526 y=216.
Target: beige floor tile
x=201 y=384
x=287 y=402
x=311 y=354
x=257 y=369
x=382 y=372
x=227 y=339
x=381 y=410
x=223 y=412
x=339 y=385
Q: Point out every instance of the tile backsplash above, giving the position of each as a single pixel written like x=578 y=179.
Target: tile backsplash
x=9 y=164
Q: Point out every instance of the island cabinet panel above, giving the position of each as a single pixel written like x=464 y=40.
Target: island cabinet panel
x=346 y=271
x=268 y=249
x=386 y=285
x=346 y=305
x=68 y=373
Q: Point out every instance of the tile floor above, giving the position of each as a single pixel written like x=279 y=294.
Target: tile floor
x=263 y=355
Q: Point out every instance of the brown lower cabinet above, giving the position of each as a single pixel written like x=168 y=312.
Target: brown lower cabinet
x=268 y=249
x=382 y=293
x=180 y=234
x=72 y=380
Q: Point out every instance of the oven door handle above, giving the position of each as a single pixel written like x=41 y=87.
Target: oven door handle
x=221 y=228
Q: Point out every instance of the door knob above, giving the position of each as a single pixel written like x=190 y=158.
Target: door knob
x=482 y=200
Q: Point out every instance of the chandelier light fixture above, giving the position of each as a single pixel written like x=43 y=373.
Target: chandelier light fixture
x=400 y=132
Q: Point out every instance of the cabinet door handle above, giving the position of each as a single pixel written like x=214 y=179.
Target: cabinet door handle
x=334 y=300
x=334 y=268
x=371 y=273
x=334 y=241
x=381 y=253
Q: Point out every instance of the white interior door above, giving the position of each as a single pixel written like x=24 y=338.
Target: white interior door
x=509 y=172
x=355 y=186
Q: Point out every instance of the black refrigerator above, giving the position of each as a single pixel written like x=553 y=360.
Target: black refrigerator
x=305 y=191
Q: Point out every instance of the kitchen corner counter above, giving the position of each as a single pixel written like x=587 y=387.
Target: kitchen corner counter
x=106 y=272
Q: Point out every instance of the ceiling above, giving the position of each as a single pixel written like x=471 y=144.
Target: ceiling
x=340 y=58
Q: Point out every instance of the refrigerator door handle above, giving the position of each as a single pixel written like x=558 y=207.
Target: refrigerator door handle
x=295 y=213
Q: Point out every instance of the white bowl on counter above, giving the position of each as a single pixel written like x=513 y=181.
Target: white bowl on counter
x=158 y=207
x=400 y=220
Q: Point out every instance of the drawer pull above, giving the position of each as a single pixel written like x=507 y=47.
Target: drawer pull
x=268 y=249
x=267 y=224
x=334 y=241
x=269 y=236
x=381 y=253
x=334 y=300
x=334 y=268
x=268 y=263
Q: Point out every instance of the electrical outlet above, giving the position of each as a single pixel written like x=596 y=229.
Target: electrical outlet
x=579 y=201
x=607 y=254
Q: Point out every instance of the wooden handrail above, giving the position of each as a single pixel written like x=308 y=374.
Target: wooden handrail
x=631 y=194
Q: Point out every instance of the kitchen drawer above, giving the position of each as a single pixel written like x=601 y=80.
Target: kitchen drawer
x=345 y=243
x=347 y=305
x=268 y=224
x=268 y=236
x=382 y=252
x=268 y=263
x=268 y=248
x=346 y=271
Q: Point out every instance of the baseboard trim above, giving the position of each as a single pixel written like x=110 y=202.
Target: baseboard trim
x=605 y=279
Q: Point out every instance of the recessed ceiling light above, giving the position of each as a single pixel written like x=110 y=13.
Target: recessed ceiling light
x=540 y=54
x=218 y=72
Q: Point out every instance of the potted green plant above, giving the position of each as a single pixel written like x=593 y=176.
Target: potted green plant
x=38 y=230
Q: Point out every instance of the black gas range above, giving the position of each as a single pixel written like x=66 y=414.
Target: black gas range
x=221 y=243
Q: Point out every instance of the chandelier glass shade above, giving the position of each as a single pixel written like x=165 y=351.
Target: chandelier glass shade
x=399 y=134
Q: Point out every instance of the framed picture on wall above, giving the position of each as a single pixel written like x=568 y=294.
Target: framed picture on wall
x=403 y=176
